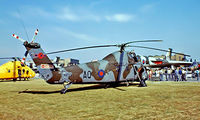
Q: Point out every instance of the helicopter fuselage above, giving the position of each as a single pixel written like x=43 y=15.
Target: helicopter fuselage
x=116 y=67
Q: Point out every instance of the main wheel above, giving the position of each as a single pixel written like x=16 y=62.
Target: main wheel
x=63 y=91
x=143 y=83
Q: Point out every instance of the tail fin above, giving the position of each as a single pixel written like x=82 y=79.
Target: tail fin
x=45 y=66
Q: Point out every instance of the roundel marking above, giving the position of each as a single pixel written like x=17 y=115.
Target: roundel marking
x=101 y=73
x=40 y=55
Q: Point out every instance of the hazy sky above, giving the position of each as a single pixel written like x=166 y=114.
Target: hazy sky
x=78 y=23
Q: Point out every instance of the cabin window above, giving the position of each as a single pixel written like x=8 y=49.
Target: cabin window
x=23 y=71
x=8 y=70
x=19 y=72
x=27 y=72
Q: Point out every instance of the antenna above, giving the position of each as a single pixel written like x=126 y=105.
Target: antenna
x=22 y=22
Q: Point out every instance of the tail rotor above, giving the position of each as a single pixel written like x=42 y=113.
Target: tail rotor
x=22 y=40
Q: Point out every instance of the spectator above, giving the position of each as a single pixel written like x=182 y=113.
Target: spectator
x=147 y=70
x=166 y=74
x=157 y=73
x=169 y=72
x=161 y=74
x=180 y=74
x=176 y=75
x=150 y=74
x=197 y=74
x=183 y=75
x=173 y=74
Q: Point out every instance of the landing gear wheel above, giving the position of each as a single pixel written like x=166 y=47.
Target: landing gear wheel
x=106 y=86
x=63 y=91
x=143 y=83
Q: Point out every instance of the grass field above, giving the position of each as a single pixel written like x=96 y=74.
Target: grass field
x=160 y=100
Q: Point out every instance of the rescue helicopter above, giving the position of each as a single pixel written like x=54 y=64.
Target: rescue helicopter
x=16 y=69
x=117 y=67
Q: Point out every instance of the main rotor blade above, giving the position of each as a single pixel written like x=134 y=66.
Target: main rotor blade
x=7 y=58
x=82 y=48
x=117 y=45
x=143 y=41
x=158 y=49
x=10 y=58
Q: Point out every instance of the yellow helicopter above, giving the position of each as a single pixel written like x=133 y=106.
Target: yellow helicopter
x=15 y=70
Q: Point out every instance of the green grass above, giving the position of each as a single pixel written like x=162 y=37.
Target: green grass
x=160 y=100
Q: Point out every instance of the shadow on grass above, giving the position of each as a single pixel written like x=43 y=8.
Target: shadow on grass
x=13 y=80
x=93 y=87
x=39 y=92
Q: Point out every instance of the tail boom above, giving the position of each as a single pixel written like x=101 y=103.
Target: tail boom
x=45 y=66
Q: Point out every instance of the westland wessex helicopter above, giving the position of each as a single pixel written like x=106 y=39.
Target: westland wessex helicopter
x=15 y=69
x=117 y=67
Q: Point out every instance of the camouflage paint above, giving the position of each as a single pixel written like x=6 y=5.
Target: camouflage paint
x=116 y=67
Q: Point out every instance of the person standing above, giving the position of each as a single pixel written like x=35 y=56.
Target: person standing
x=169 y=73
x=166 y=75
x=19 y=74
x=150 y=74
x=173 y=74
x=183 y=75
x=161 y=74
x=176 y=75
x=197 y=74
x=157 y=74
x=180 y=74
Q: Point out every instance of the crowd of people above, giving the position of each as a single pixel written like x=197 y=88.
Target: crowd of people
x=176 y=74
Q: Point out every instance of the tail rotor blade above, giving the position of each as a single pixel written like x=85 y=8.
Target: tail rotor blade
x=36 y=32
x=17 y=37
x=24 y=58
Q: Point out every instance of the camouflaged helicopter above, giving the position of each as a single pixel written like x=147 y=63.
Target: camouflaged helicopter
x=117 y=67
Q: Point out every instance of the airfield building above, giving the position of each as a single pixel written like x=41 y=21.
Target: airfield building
x=68 y=62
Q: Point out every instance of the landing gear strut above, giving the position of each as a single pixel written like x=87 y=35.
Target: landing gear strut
x=63 y=91
x=142 y=83
x=141 y=79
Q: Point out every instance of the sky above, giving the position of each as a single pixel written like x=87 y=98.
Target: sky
x=66 y=24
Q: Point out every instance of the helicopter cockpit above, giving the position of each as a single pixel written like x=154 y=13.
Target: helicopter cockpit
x=133 y=56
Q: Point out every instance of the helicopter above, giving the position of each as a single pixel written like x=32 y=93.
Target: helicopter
x=15 y=69
x=117 y=67
x=152 y=62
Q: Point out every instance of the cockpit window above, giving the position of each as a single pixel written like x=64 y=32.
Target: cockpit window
x=23 y=71
x=130 y=55
x=133 y=56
